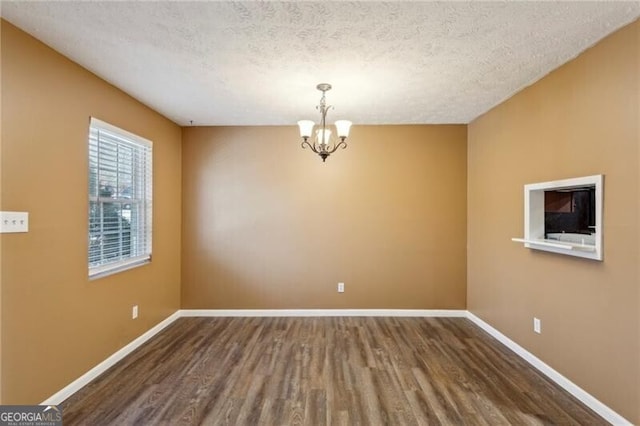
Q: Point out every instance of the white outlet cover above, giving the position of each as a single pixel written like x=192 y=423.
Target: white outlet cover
x=537 y=325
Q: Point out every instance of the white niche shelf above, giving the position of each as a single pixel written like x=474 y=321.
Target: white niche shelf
x=564 y=216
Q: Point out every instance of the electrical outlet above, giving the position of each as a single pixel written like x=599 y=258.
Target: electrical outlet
x=340 y=287
x=537 y=325
x=134 y=312
x=11 y=222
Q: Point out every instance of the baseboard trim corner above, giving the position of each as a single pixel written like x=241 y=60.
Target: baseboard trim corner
x=87 y=377
x=586 y=398
x=460 y=313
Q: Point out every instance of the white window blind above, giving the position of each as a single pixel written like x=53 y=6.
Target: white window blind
x=120 y=201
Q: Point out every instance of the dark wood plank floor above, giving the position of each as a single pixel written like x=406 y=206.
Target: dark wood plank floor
x=315 y=371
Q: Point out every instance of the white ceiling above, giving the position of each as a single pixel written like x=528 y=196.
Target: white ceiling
x=258 y=63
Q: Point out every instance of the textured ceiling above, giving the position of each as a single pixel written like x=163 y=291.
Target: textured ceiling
x=256 y=63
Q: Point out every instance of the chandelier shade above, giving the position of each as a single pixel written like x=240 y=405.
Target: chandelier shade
x=306 y=128
x=322 y=144
x=323 y=136
x=342 y=128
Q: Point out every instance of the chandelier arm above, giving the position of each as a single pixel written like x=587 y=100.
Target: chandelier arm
x=342 y=144
x=311 y=146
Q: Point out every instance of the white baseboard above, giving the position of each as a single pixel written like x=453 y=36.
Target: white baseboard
x=87 y=377
x=324 y=313
x=587 y=399
x=591 y=402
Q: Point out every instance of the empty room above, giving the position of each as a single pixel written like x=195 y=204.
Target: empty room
x=345 y=213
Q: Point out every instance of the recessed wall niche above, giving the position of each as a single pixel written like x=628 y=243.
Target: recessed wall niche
x=564 y=216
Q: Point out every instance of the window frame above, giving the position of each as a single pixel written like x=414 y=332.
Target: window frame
x=141 y=159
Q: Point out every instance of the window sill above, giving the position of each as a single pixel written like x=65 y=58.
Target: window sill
x=105 y=271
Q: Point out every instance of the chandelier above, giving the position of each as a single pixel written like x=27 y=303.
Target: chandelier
x=322 y=144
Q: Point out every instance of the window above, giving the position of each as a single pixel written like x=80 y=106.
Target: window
x=119 y=199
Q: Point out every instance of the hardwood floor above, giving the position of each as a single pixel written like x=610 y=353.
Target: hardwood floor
x=315 y=371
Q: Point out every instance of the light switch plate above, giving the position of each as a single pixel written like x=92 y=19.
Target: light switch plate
x=11 y=222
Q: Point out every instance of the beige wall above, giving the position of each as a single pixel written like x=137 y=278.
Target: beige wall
x=580 y=120
x=56 y=324
x=268 y=225
x=1 y=340
x=637 y=337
